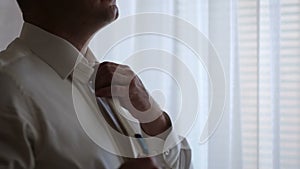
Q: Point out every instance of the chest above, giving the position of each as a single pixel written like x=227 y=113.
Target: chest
x=63 y=141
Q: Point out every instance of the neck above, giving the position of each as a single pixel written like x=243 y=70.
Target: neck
x=79 y=38
x=78 y=35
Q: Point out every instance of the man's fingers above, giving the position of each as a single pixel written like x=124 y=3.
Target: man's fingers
x=114 y=67
x=119 y=79
x=113 y=74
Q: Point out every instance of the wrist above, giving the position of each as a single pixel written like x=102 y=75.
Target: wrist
x=151 y=114
x=158 y=126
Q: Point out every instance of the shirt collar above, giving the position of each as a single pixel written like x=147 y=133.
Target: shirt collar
x=58 y=53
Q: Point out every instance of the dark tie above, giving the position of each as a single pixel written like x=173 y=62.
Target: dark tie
x=110 y=116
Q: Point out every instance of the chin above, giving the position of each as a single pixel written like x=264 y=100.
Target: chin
x=114 y=12
x=109 y=15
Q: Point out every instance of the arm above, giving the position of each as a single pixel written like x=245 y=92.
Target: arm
x=16 y=135
x=119 y=81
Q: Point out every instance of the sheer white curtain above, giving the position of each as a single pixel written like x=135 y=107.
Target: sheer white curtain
x=269 y=51
x=215 y=19
x=258 y=42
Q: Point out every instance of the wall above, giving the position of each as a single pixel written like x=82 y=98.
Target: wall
x=10 y=22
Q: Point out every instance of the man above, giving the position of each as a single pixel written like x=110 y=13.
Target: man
x=39 y=127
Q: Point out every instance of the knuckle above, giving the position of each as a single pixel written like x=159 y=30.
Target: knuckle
x=131 y=72
x=136 y=81
x=118 y=69
x=126 y=67
x=105 y=63
x=131 y=76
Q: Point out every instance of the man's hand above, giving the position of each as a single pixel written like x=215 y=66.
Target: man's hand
x=140 y=163
x=114 y=80
x=119 y=81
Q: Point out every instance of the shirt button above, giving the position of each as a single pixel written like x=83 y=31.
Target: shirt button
x=166 y=153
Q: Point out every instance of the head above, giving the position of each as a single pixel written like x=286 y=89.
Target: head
x=69 y=17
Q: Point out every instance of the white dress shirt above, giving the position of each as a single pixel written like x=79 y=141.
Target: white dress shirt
x=39 y=126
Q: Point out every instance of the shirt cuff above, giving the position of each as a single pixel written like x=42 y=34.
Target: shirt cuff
x=169 y=146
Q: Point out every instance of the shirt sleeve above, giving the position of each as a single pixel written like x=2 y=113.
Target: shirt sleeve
x=178 y=157
x=174 y=150
x=16 y=132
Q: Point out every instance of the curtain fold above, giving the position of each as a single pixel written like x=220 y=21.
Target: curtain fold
x=236 y=160
x=274 y=10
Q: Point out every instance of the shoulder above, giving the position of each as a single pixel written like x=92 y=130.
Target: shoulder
x=10 y=64
x=12 y=98
x=15 y=52
x=16 y=104
x=13 y=61
x=21 y=70
x=11 y=68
